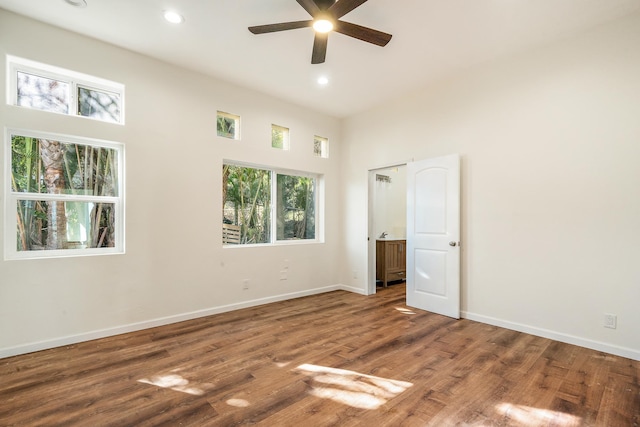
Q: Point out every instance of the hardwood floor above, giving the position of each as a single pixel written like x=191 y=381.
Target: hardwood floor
x=333 y=359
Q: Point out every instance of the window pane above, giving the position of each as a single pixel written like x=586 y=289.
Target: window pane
x=247 y=201
x=295 y=207
x=48 y=225
x=99 y=104
x=320 y=146
x=228 y=125
x=279 y=137
x=41 y=165
x=43 y=93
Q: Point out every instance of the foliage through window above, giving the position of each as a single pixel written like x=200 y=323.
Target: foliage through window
x=268 y=206
x=65 y=196
x=228 y=125
x=320 y=146
x=279 y=137
x=44 y=87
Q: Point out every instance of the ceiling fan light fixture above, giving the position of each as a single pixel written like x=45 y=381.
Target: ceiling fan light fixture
x=322 y=25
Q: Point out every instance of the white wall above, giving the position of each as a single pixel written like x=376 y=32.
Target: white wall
x=174 y=266
x=550 y=146
x=390 y=207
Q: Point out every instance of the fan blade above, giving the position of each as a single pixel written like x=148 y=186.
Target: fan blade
x=363 y=33
x=319 y=48
x=283 y=26
x=342 y=7
x=310 y=6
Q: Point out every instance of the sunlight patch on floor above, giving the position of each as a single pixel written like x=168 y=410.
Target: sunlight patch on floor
x=352 y=388
x=528 y=416
x=405 y=310
x=238 y=403
x=174 y=382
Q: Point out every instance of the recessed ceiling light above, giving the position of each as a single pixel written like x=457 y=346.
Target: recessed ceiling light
x=173 y=17
x=323 y=81
x=77 y=3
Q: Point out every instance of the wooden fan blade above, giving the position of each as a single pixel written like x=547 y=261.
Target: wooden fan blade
x=319 y=48
x=283 y=26
x=362 y=33
x=342 y=7
x=310 y=6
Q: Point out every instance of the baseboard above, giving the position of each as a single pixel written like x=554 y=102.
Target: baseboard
x=132 y=327
x=352 y=289
x=557 y=336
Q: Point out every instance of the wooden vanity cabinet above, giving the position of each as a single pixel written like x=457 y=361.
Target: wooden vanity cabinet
x=391 y=260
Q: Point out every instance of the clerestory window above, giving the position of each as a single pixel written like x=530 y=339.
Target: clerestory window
x=44 y=87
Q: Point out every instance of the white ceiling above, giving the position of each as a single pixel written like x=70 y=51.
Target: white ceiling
x=430 y=39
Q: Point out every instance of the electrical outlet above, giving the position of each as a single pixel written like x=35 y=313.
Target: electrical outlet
x=355 y=274
x=245 y=284
x=610 y=321
x=283 y=274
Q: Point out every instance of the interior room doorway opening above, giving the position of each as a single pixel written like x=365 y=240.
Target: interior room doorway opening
x=428 y=255
x=387 y=222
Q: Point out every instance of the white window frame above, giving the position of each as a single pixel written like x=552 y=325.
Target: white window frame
x=319 y=205
x=73 y=78
x=12 y=198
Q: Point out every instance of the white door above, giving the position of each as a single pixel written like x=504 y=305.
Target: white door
x=433 y=235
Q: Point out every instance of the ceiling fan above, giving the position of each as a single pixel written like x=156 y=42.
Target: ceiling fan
x=326 y=16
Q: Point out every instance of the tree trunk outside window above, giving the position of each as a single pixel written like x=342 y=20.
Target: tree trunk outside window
x=52 y=155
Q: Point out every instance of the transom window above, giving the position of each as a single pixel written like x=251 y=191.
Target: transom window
x=65 y=196
x=53 y=89
x=228 y=125
x=280 y=137
x=320 y=146
x=263 y=205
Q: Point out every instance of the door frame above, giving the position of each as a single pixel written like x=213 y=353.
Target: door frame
x=371 y=224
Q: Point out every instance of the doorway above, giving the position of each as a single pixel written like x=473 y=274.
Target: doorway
x=387 y=212
x=431 y=232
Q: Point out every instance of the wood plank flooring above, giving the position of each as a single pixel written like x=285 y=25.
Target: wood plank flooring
x=336 y=359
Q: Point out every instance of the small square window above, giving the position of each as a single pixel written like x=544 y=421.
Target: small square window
x=320 y=146
x=279 y=137
x=228 y=125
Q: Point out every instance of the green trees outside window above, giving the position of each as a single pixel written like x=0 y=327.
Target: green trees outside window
x=65 y=194
x=247 y=202
x=295 y=207
x=248 y=196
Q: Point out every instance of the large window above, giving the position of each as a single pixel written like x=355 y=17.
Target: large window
x=65 y=196
x=48 y=88
x=268 y=206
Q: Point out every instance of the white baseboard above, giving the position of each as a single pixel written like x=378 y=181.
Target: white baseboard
x=132 y=327
x=557 y=336
x=352 y=289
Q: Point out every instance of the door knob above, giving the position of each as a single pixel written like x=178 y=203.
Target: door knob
x=452 y=243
